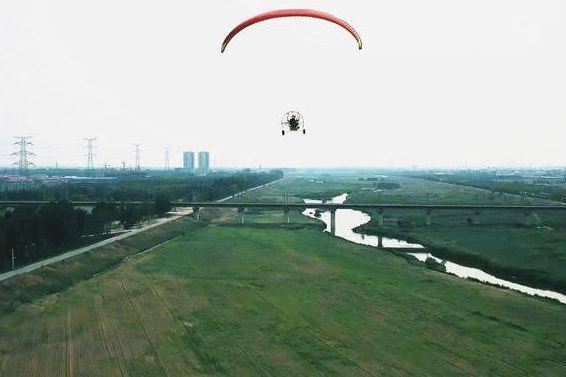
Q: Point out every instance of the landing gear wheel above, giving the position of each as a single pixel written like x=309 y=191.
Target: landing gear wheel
x=304 y=131
x=283 y=132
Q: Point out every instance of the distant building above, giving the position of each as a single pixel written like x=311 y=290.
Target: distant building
x=203 y=162
x=189 y=161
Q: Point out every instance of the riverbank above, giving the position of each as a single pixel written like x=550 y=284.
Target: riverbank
x=460 y=244
x=498 y=242
x=347 y=225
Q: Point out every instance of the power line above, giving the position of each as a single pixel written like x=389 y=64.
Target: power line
x=23 y=155
x=90 y=153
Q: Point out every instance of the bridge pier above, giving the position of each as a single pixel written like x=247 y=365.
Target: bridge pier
x=477 y=214
x=380 y=218
x=196 y=211
x=428 y=213
x=528 y=218
x=241 y=211
x=333 y=222
x=286 y=214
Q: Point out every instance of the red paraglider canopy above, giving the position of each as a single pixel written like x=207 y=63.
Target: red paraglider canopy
x=292 y=13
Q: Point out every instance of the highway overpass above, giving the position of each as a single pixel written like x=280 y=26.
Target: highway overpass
x=380 y=208
x=303 y=206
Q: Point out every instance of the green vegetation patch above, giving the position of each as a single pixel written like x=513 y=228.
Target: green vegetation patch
x=58 y=277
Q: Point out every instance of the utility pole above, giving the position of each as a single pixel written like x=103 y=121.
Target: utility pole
x=137 y=166
x=13 y=260
x=167 y=162
x=23 y=155
x=90 y=154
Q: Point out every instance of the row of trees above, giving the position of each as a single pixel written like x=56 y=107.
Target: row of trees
x=37 y=233
x=515 y=185
x=208 y=187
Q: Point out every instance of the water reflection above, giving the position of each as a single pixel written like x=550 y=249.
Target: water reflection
x=473 y=273
x=349 y=219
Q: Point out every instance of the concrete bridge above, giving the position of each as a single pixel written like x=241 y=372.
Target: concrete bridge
x=476 y=209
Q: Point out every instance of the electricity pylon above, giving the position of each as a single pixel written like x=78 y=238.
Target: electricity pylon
x=23 y=155
x=137 y=166
x=90 y=153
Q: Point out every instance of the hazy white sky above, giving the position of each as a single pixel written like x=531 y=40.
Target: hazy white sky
x=439 y=82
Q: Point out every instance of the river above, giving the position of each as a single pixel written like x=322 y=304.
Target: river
x=348 y=219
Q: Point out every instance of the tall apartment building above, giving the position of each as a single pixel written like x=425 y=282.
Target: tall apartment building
x=203 y=162
x=189 y=161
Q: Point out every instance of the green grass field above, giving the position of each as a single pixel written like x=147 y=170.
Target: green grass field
x=253 y=300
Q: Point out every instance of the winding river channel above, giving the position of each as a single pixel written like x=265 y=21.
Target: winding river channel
x=347 y=220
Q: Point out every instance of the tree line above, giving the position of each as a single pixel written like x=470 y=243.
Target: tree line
x=210 y=187
x=35 y=233
x=515 y=185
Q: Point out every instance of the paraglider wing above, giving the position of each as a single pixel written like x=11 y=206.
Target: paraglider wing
x=292 y=13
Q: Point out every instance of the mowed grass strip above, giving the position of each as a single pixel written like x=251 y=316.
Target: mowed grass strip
x=257 y=301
